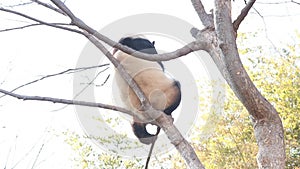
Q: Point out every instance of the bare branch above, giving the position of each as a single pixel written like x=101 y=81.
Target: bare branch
x=89 y=83
x=69 y=102
x=104 y=81
x=39 y=21
x=29 y=151
x=31 y=25
x=56 y=74
x=189 y=48
x=243 y=14
x=298 y=3
x=193 y=46
x=20 y=27
x=206 y=19
x=37 y=156
x=279 y=3
x=21 y=4
x=266 y=32
x=65 y=9
x=49 y=6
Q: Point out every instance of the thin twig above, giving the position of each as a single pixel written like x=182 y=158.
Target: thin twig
x=56 y=74
x=37 y=156
x=274 y=3
x=49 y=6
x=298 y=3
x=103 y=83
x=151 y=148
x=243 y=14
x=266 y=32
x=21 y=4
x=39 y=21
x=31 y=25
x=89 y=83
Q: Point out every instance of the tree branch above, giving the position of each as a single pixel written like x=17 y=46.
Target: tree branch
x=91 y=82
x=226 y=39
x=69 y=102
x=30 y=25
x=191 y=47
x=268 y=127
x=20 y=4
x=243 y=14
x=56 y=74
x=298 y=3
x=206 y=19
x=49 y=6
x=39 y=21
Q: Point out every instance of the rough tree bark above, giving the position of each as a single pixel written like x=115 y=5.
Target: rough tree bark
x=266 y=121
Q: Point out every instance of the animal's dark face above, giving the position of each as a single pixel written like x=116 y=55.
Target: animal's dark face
x=139 y=44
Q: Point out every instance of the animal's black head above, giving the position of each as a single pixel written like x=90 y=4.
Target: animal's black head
x=139 y=44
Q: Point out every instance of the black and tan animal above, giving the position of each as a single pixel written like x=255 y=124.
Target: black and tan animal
x=162 y=91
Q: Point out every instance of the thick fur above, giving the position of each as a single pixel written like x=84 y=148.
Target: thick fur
x=162 y=91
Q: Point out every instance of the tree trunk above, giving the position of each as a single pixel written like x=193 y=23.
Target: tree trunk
x=267 y=123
